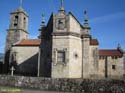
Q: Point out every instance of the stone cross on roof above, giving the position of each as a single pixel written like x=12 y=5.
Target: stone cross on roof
x=21 y=2
x=61 y=3
x=62 y=7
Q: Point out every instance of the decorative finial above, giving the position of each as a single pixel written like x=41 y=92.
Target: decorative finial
x=62 y=8
x=43 y=19
x=85 y=16
x=86 y=24
x=119 y=46
x=20 y=6
x=85 y=12
x=21 y=2
x=42 y=26
x=61 y=3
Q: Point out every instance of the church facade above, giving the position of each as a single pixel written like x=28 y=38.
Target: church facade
x=64 y=49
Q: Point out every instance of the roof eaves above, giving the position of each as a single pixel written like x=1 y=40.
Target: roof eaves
x=17 y=42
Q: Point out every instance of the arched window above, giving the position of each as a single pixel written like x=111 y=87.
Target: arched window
x=24 y=23
x=15 y=21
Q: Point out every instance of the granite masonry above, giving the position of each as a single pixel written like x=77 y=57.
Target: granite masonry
x=65 y=85
x=65 y=49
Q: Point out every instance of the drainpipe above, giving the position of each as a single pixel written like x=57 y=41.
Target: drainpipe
x=38 y=71
x=82 y=58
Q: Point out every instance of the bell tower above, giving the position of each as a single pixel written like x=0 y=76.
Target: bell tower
x=18 y=27
x=16 y=32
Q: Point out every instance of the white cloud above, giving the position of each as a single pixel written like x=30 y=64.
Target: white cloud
x=108 y=18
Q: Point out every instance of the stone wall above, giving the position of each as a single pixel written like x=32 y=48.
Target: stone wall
x=65 y=85
x=118 y=72
x=75 y=57
x=26 y=59
x=94 y=61
x=60 y=69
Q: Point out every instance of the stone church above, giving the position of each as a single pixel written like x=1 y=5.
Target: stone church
x=64 y=49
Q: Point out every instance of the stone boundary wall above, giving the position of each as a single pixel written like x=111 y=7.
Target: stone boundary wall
x=64 y=85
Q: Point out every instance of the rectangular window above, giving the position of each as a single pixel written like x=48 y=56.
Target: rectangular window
x=61 y=56
x=113 y=67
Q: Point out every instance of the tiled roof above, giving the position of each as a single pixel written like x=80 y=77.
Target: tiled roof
x=94 y=42
x=28 y=42
x=112 y=52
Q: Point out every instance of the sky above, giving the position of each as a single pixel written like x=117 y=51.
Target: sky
x=106 y=18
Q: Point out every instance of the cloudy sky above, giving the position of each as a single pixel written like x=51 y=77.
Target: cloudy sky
x=106 y=18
